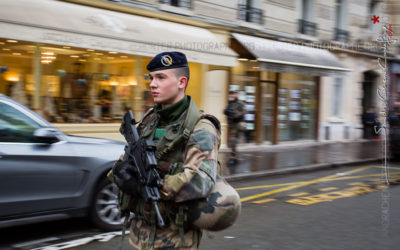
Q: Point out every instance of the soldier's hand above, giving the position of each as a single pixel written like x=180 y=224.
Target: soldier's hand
x=125 y=178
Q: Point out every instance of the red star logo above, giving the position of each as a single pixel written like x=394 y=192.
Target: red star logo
x=375 y=19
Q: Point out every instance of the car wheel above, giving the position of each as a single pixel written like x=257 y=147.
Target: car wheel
x=104 y=211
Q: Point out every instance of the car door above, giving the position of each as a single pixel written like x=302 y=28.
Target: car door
x=35 y=177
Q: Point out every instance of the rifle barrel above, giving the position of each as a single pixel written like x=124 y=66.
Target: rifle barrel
x=160 y=220
x=132 y=123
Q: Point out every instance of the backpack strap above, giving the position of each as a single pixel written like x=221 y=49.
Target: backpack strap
x=148 y=112
x=192 y=117
x=214 y=120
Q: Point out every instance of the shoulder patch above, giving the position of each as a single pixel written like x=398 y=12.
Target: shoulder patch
x=204 y=139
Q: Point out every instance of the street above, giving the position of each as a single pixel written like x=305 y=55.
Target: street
x=295 y=103
x=341 y=208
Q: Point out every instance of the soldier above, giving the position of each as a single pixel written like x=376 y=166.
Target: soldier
x=235 y=114
x=189 y=171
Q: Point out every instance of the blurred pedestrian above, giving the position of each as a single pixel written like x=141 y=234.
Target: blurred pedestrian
x=394 y=115
x=188 y=170
x=369 y=120
x=234 y=112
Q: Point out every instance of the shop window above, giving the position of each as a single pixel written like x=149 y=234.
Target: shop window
x=16 y=69
x=247 y=94
x=296 y=107
x=244 y=79
x=267 y=107
x=76 y=84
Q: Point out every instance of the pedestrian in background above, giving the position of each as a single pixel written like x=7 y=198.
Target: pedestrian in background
x=369 y=120
x=394 y=115
x=234 y=112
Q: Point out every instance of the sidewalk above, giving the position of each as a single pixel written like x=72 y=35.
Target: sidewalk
x=256 y=161
x=263 y=160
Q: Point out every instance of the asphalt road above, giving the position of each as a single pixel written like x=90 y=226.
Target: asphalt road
x=345 y=208
x=342 y=208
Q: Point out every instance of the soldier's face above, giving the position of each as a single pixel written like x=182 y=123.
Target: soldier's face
x=234 y=96
x=166 y=87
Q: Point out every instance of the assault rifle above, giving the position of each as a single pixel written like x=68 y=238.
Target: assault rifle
x=140 y=154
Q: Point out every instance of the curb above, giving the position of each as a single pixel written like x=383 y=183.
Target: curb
x=300 y=169
x=251 y=147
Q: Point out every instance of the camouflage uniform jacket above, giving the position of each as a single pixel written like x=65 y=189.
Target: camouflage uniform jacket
x=235 y=111
x=188 y=172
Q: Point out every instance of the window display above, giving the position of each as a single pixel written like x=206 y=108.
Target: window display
x=76 y=84
x=285 y=107
x=245 y=81
x=300 y=123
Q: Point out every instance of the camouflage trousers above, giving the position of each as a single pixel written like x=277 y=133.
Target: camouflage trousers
x=233 y=138
x=166 y=238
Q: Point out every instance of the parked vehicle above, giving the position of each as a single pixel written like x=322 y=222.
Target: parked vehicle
x=48 y=175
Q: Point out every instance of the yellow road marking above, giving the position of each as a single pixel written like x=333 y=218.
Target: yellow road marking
x=360 y=176
x=263 y=201
x=309 y=200
x=356 y=170
x=327 y=189
x=301 y=184
x=348 y=192
x=298 y=194
x=387 y=167
x=267 y=186
x=356 y=184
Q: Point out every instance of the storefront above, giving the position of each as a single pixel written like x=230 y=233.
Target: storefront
x=74 y=63
x=279 y=82
x=76 y=84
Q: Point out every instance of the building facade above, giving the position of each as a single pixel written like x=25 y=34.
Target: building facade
x=77 y=63
x=307 y=69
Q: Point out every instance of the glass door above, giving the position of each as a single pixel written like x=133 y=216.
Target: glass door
x=267 y=107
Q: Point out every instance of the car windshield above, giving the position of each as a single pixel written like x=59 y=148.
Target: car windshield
x=16 y=126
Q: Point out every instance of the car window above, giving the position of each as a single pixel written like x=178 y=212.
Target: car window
x=16 y=126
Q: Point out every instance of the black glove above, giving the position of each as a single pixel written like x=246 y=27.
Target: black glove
x=125 y=178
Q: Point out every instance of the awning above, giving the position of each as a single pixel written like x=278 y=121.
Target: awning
x=61 y=23
x=291 y=58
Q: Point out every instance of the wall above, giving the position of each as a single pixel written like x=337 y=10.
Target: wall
x=195 y=83
x=214 y=91
x=350 y=117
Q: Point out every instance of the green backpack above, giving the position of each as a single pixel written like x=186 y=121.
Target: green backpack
x=222 y=206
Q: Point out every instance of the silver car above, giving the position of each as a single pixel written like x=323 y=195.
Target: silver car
x=48 y=175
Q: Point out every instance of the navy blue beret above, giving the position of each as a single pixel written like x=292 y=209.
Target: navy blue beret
x=167 y=60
